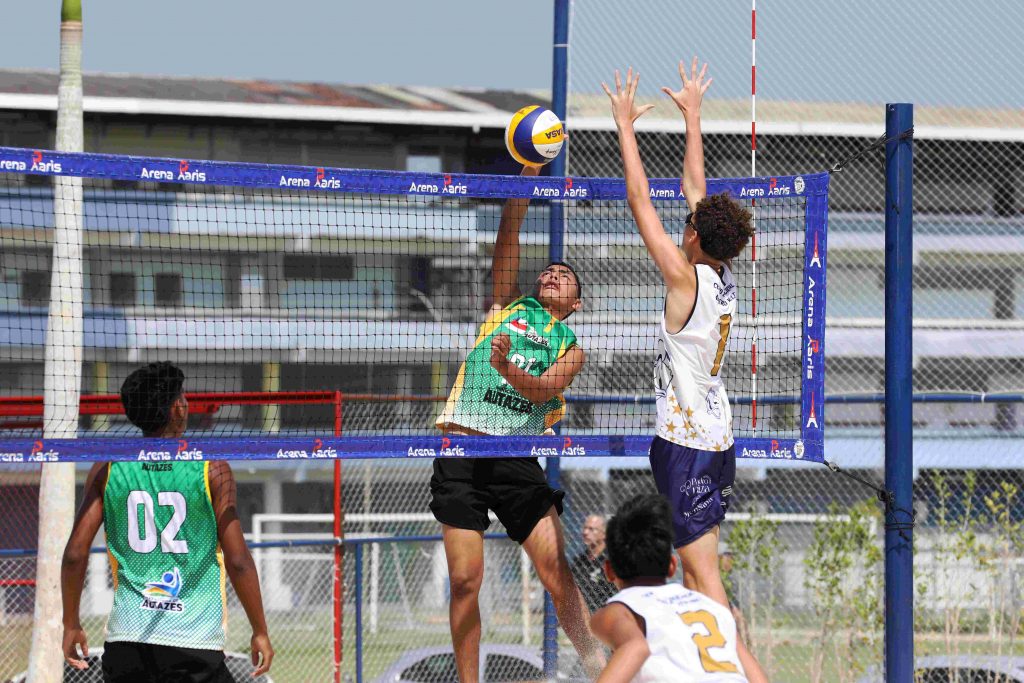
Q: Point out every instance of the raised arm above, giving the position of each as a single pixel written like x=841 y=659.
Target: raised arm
x=688 y=99
x=537 y=389
x=675 y=269
x=75 y=562
x=505 y=265
x=238 y=562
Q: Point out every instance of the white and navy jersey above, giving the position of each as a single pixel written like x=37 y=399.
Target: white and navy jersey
x=693 y=408
x=691 y=637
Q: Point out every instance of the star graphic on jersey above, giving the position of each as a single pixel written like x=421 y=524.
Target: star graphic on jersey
x=671 y=426
x=677 y=409
x=689 y=412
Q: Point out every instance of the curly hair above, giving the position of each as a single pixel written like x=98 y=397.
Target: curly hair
x=723 y=225
x=148 y=393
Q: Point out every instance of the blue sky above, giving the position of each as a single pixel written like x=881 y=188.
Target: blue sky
x=927 y=51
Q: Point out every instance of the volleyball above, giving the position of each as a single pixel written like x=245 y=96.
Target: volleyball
x=534 y=136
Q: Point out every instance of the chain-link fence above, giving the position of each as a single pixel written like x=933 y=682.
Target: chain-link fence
x=823 y=74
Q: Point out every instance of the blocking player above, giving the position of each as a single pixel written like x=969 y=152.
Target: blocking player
x=692 y=456
x=660 y=632
x=511 y=383
x=172 y=532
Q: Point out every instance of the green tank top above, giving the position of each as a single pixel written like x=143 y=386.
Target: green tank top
x=166 y=561
x=482 y=400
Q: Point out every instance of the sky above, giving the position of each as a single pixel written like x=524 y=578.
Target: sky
x=941 y=52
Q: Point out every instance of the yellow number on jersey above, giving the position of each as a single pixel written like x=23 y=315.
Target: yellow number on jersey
x=724 y=325
x=713 y=638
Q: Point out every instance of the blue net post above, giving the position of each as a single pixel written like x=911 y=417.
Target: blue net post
x=899 y=429
x=559 y=90
x=359 y=611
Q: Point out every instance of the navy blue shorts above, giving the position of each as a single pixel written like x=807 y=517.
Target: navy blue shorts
x=697 y=484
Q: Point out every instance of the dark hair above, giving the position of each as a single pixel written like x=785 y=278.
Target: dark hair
x=579 y=282
x=639 y=538
x=723 y=225
x=148 y=393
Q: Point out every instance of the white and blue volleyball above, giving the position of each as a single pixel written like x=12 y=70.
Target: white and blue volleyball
x=534 y=136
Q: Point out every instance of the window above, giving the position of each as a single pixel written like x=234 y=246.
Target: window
x=509 y=669
x=35 y=288
x=423 y=162
x=317 y=267
x=433 y=669
x=122 y=289
x=168 y=289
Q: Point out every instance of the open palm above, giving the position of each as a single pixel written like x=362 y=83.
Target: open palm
x=624 y=109
x=688 y=98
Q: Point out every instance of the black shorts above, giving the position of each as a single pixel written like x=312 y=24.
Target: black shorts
x=126 y=662
x=462 y=490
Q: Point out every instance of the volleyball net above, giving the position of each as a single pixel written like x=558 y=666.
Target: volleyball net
x=272 y=279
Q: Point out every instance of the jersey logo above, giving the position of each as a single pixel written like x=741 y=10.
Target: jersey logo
x=713 y=403
x=519 y=325
x=162 y=595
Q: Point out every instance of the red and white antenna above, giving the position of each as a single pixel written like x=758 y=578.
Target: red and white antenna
x=753 y=238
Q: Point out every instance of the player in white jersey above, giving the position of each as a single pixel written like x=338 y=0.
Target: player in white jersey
x=659 y=632
x=692 y=455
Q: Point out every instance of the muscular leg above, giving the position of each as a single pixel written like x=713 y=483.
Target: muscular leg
x=701 y=573
x=464 y=550
x=546 y=547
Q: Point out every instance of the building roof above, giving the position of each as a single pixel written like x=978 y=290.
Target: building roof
x=468 y=107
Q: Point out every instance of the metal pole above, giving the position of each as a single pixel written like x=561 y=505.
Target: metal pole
x=359 y=612
x=556 y=244
x=899 y=432
x=339 y=557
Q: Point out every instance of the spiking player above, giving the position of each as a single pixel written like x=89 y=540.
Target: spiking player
x=692 y=456
x=511 y=383
x=172 y=530
x=659 y=632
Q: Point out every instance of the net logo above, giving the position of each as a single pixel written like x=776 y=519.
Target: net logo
x=662 y=193
x=190 y=176
x=324 y=183
x=40 y=166
x=453 y=188
x=775 y=190
x=575 y=192
x=41 y=454
x=546 y=191
x=288 y=181
x=798 y=184
x=320 y=452
x=185 y=453
x=815 y=256
x=812 y=419
x=447 y=450
x=12 y=457
x=810 y=301
x=162 y=595
x=813 y=347
x=569 y=450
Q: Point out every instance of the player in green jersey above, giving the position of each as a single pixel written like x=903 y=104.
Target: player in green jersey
x=511 y=383
x=172 y=534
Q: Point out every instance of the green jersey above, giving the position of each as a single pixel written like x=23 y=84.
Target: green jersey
x=482 y=400
x=166 y=560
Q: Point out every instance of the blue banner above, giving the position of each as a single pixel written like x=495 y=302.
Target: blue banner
x=15 y=451
x=352 y=181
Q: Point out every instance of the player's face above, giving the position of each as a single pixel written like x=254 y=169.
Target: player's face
x=690 y=240
x=556 y=287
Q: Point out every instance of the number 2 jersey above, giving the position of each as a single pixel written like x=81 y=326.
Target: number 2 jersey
x=166 y=561
x=691 y=637
x=482 y=400
x=693 y=408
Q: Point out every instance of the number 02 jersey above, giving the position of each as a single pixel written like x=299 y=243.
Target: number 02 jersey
x=691 y=637
x=693 y=408
x=164 y=555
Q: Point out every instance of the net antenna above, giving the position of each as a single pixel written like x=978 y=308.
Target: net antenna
x=753 y=212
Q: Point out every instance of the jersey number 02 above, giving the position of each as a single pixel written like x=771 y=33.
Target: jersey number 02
x=143 y=540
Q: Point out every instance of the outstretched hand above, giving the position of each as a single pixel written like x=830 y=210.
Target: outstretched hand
x=624 y=109
x=688 y=98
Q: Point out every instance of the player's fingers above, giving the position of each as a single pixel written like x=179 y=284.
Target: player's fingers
x=636 y=82
x=643 y=110
x=264 y=663
x=706 y=86
x=693 y=69
x=682 y=71
x=618 y=82
x=703 y=71
x=606 y=90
